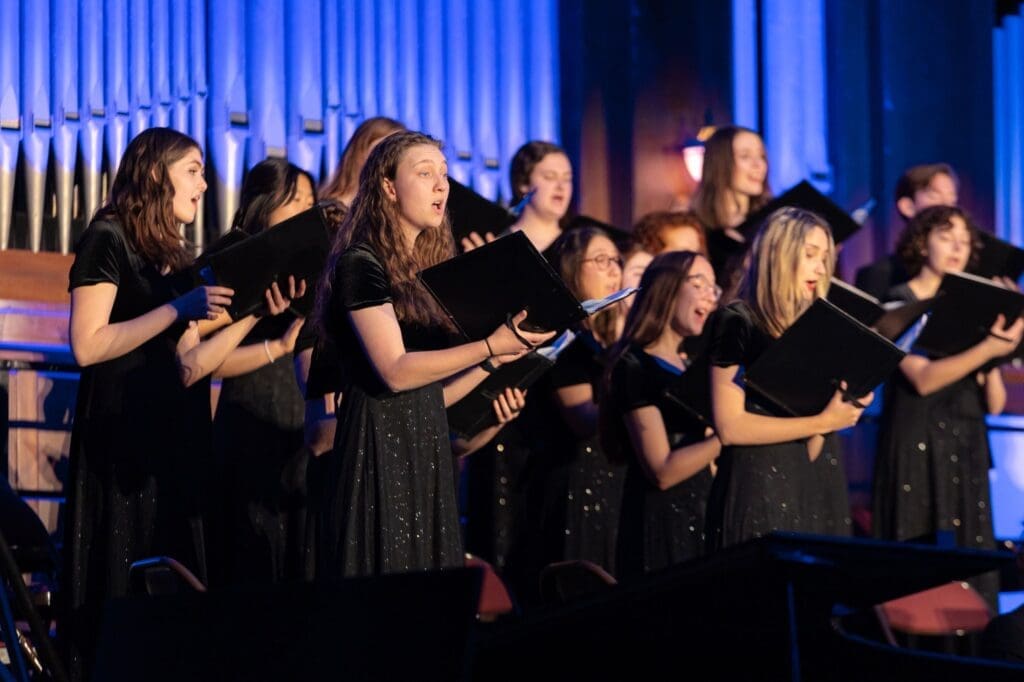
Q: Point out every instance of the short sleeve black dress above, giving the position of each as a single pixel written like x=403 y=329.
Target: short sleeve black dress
x=389 y=502
x=657 y=528
x=758 y=488
x=932 y=463
x=140 y=455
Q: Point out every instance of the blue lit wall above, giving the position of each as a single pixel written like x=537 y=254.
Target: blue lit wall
x=79 y=78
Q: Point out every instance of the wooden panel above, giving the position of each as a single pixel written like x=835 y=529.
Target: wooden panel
x=27 y=276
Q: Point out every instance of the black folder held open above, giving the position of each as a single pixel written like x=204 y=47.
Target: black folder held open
x=249 y=265
x=475 y=412
x=801 y=371
x=805 y=196
x=890 y=320
x=964 y=310
x=481 y=289
x=998 y=258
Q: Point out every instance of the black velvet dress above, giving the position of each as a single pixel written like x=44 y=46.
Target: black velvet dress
x=258 y=448
x=758 y=488
x=932 y=464
x=584 y=488
x=389 y=502
x=657 y=528
x=140 y=454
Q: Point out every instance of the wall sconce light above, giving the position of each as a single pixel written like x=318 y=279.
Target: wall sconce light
x=693 y=152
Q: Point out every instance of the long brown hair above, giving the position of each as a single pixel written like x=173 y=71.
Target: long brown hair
x=373 y=220
x=770 y=286
x=142 y=197
x=346 y=176
x=710 y=199
x=651 y=312
x=568 y=252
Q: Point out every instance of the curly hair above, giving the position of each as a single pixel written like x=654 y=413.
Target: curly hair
x=346 y=176
x=710 y=200
x=270 y=184
x=524 y=161
x=912 y=245
x=649 y=231
x=142 y=197
x=373 y=220
x=568 y=252
x=769 y=286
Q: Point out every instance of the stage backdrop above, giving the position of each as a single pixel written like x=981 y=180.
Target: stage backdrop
x=80 y=78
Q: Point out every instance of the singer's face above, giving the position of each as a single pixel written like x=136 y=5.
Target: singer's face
x=600 y=272
x=186 y=176
x=750 y=164
x=949 y=249
x=301 y=201
x=421 y=187
x=696 y=300
x=812 y=268
x=552 y=180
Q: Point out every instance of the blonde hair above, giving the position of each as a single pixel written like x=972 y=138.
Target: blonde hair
x=770 y=285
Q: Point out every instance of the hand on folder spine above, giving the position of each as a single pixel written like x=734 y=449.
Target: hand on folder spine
x=509 y=342
x=844 y=410
x=474 y=240
x=277 y=302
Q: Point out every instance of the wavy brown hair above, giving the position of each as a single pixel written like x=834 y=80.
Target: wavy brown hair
x=346 y=176
x=769 y=285
x=912 y=246
x=568 y=252
x=710 y=199
x=373 y=220
x=142 y=197
x=652 y=311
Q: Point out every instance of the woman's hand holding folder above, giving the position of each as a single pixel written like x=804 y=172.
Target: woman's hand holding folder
x=843 y=410
x=508 y=342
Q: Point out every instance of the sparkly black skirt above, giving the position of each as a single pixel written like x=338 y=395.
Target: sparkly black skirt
x=759 y=489
x=389 y=502
x=661 y=528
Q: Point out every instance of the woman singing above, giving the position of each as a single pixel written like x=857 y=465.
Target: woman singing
x=389 y=503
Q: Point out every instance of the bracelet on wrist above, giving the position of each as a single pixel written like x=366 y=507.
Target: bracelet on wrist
x=266 y=348
x=490 y=352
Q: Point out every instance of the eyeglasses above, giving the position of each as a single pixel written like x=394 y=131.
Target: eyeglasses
x=604 y=261
x=704 y=287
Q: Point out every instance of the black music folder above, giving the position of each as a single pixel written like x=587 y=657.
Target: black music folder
x=690 y=393
x=475 y=412
x=964 y=310
x=998 y=258
x=481 y=289
x=469 y=211
x=298 y=246
x=801 y=371
x=891 y=320
x=804 y=196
